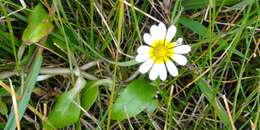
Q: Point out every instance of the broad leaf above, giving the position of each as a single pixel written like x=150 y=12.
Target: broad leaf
x=38 y=17
x=39 y=26
x=138 y=96
x=65 y=111
x=89 y=95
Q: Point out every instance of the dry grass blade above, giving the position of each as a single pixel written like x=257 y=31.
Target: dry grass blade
x=8 y=89
x=17 y=119
x=228 y=112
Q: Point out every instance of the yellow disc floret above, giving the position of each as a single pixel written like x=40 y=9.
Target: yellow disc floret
x=161 y=51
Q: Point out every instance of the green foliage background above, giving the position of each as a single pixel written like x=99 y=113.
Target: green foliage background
x=71 y=64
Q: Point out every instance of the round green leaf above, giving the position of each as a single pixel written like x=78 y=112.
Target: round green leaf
x=65 y=111
x=39 y=25
x=138 y=96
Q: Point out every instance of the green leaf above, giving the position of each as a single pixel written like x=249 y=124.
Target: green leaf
x=240 y=5
x=39 y=25
x=3 y=92
x=91 y=91
x=195 y=26
x=29 y=86
x=211 y=97
x=58 y=37
x=208 y=92
x=3 y=108
x=138 y=96
x=200 y=29
x=78 y=126
x=152 y=105
x=65 y=112
x=2 y=125
x=197 y=4
x=89 y=95
x=5 y=43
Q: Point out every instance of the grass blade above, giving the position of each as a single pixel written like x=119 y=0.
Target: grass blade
x=29 y=85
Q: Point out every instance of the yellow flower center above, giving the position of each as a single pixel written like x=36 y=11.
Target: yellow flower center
x=161 y=51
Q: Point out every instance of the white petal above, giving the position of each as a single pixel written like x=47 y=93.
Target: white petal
x=182 y=49
x=147 y=38
x=172 y=68
x=180 y=59
x=146 y=66
x=179 y=41
x=162 y=31
x=162 y=72
x=154 y=73
x=142 y=57
x=155 y=32
x=171 y=33
x=143 y=49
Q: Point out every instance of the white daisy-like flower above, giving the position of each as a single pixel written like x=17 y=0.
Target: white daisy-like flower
x=160 y=52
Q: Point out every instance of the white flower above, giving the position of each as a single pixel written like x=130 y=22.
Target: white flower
x=160 y=52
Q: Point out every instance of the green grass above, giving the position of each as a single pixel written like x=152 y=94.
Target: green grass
x=224 y=60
